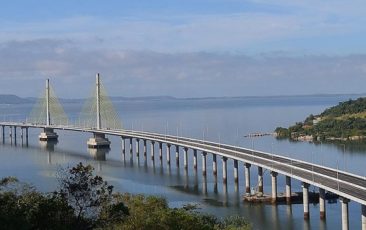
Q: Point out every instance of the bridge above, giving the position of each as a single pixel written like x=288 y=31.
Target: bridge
x=346 y=185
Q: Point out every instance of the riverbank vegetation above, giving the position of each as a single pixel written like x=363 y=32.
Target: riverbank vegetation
x=86 y=201
x=344 y=122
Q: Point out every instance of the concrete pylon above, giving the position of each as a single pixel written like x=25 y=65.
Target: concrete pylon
x=48 y=134
x=99 y=140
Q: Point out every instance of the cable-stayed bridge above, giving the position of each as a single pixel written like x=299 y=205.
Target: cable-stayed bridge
x=101 y=120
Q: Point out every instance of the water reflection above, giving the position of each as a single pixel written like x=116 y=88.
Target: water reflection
x=99 y=154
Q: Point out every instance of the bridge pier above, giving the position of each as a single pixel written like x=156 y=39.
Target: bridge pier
x=214 y=164
x=345 y=219
x=224 y=170
x=15 y=135
x=185 y=158
x=99 y=139
x=145 y=150
x=26 y=136
x=137 y=143
x=247 y=178
x=161 y=151
x=204 y=154
x=195 y=159
x=288 y=190
x=305 y=198
x=168 y=154
x=3 y=132
x=236 y=179
x=322 y=203
x=152 y=150
x=260 y=181
x=363 y=217
x=123 y=148
x=274 y=186
x=177 y=155
x=131 y=148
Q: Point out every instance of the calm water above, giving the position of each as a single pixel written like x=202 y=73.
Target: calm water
x=221 y=120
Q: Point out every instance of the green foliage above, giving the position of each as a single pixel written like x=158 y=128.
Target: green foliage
x=85 y=201
x=347 y=107
x=341 y=121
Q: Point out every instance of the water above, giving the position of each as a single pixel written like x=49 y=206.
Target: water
x=220 y=120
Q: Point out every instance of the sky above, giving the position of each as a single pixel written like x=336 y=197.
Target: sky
x=183 y=48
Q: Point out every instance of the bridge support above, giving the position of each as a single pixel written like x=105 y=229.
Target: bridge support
x=322 y=203
x=345 y=219
x=224 y=170
x=195 y=159
x=288 y=190
x=137 y=144
x=274 y=186
x=305 y=198
x=214 y=164
x=204 y=154
x=123 y=147
x=26 y=136
x=145 y=150
x=247 y=178
x=168 y=154
x=236 y=179
x=363 y=217
x=49 y=135
x=260 y=181
x=152 y=152
x=177 y=155
x=97 y=142
x=161 y=151
x=131 y=148
x=15 y=135
x=3 y=132
x=185 y=158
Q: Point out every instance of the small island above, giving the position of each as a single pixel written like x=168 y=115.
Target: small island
x=344 y=122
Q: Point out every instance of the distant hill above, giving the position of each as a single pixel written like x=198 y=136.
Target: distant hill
x=345 y=121
x=12 y=99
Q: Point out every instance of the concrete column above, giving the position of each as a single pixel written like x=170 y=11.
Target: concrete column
x=177 y=155
x=363 y=217
x=15 y=135
x=345 y=219
x=186 y=158
x=160 y=151
x=305 y=199
x=274 y=186
x=288 y=190
x=26 y=136
x=137 y=147
x=3 y=132
x=214 y=164
x=131 y=148
x=224 y=170
x=152 y=150
x=236 y=171
x=260 y=180
x=195 y=159
x=247 y=178
x=145 y=148
x=123 y=147
x=204 y=154
x=322 y=203
x=168 y=154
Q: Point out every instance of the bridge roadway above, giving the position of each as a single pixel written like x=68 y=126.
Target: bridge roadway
x=345 y=184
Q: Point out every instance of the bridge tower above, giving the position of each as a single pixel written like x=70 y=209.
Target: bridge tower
x=48 y=133
x=98 y=140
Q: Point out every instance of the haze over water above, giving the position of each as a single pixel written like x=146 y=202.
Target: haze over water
x=224 y=120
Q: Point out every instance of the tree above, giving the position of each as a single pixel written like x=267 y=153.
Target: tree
x=85 y=193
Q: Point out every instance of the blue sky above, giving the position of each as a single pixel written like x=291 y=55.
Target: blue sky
x=233 y=42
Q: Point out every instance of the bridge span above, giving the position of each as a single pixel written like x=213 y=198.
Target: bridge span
x=348 y=186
